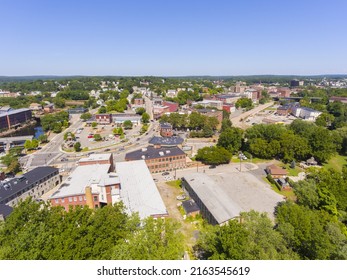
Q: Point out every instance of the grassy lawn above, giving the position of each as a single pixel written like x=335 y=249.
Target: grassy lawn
x=288 y=194
x=292 y=171
x=235 y=159
x=175 y=184
x=336 y=163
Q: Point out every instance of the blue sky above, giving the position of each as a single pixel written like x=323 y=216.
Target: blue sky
x=172 y=37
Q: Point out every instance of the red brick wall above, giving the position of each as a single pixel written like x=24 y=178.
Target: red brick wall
x=74 y=200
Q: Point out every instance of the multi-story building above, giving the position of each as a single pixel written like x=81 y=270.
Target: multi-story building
x=103 y=118
x=209 y=103
x=139 y=101
x=13 y=118
x=159 y=142
x=93 y=185
x=96 y=185
x=166 y=130
x=283 y=92
x=172 y=106
x=33 y=183
x=159 y=159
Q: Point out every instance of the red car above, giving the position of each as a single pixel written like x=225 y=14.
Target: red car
x=90 y=136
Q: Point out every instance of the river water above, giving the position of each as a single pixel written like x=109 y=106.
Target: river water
x=35 y=130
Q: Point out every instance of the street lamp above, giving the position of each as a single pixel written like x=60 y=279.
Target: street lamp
x=240 y=157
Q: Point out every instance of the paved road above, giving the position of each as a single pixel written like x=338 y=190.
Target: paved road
x=238 y=120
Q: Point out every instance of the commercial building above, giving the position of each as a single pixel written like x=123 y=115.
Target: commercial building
x=138 y=190
x=14 y=117
x=216 y=205
x=159 y=159
x=166 y=130
x=306 y=113
x=77 y=110
x=119 y=119
x=209 y=103
x=103 y=118
x=33 y=183
x=95 y=184
x=159 y=142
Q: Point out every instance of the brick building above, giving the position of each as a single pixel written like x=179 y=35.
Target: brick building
x=13 y=118
x=103 y=118
x=159 y=159
x=95 y=184
x=166 y=130
x=139 y=101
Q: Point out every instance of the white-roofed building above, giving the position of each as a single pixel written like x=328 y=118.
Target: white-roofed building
x=216 y=205
x=139 y=193
x=94 y=184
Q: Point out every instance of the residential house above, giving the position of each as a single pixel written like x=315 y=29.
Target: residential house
x=276 y=171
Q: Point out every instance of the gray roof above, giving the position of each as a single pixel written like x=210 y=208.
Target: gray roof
x=190 y=206
x=166 y=141
x=27 y=180
x=151 y=153
x=165 y=125
x=13 y=112
x=218 y=202
x=138 y=190
x=5 y=210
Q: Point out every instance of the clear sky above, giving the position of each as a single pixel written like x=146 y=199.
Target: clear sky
x=172 y=37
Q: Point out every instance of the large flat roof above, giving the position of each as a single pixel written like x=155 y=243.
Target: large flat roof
x=152 y=153
x=96 y=157
x=139 y=193
x=20 y=183
x=218 y=202
x=83 y=176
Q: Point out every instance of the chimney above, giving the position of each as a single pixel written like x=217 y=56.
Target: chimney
x=89 y=197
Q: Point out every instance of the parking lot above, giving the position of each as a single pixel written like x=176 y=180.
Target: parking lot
x=269 y=116
x=248 y=190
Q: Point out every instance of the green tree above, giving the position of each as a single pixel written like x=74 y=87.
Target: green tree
x=156 y=240
x=86 y=116
x=213 y=155
x=94 y=124
x=231 y=139
x=102 y=110
x=77 y=146
x=43 y=138
x=313 y=234
x=127 y=124
x=145 y=118
x=97 y=137
x=140 y=111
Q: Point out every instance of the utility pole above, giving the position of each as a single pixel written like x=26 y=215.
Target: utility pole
x=240 y=159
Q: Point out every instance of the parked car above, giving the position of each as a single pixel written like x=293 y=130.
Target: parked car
x=106 y=150
x=90 y=136
x=212 y=166
x=165 y=173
